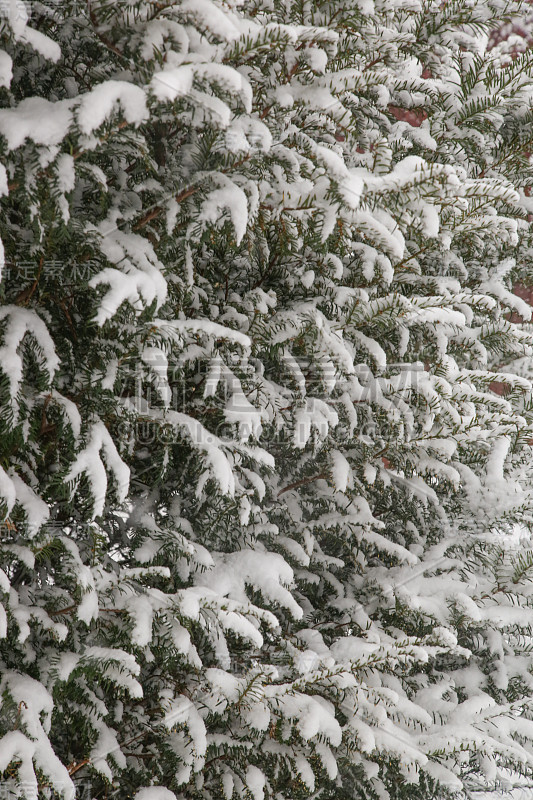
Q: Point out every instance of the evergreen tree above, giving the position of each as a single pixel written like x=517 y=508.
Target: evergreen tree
x=259 y=494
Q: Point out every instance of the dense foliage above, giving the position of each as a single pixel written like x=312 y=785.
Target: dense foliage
x=263 y=450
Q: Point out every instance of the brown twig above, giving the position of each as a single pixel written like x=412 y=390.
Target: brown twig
x=302 y=482
x=373 y=62
x=72 y=768
x=27 y=293
x=157 y=210
x=68 y=609
x=66 y=312
x=103 y=38
x=19 y=712
x=124 y=124
x=65 y=610
x=183 y=195
x=45 y=425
